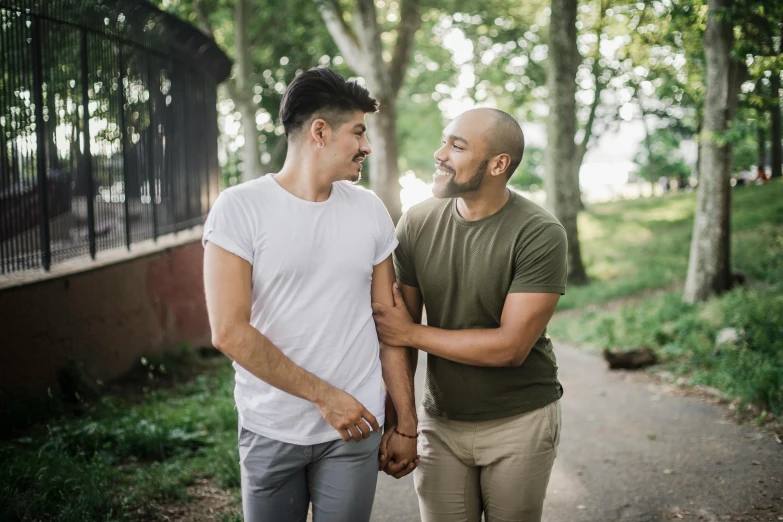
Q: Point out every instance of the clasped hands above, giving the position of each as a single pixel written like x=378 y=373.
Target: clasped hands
x=397 y=454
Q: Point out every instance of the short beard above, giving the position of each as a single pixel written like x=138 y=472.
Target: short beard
x=453 y=189
x=355 y=178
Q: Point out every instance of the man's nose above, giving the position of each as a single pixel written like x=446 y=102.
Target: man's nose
x=365 y=147
x=440 y=154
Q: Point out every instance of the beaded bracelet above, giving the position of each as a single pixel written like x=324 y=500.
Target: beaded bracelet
x=398 y=432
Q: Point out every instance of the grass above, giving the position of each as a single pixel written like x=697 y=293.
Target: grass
x=127 y=454
x=633 y=248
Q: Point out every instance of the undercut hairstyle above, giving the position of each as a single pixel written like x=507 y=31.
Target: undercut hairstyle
x=507 y=137
x=322 y=93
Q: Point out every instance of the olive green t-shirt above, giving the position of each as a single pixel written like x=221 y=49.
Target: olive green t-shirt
x=465 y=270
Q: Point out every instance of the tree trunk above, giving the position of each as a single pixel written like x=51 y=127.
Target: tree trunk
x=698 y=149
x=774 y=114
x=576 y=166
x=562 y=186
x=362 y=48
x=384 y=171
x=709 y=269
x=648 y=145
x=761 y=136
x=247 y=109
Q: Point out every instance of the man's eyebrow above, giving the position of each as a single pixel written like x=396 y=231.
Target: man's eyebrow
x=456 y=138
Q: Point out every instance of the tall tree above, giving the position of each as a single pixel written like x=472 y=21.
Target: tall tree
x=761 y=139
x=758 y=34
x=709 y=269
x=776 y=147
x=561 y=186
x=242 y=93
x=363 y=48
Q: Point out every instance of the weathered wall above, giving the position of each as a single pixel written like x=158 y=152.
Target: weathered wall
x=106 y=318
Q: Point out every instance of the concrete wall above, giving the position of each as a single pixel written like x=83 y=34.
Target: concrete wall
x=106 y=317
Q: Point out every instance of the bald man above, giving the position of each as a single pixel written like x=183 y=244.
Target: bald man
x=489 y=266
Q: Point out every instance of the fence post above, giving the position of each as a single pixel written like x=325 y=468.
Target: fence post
x=40 y=154
x=152 y=131
x=87 y=156
x=124 y=146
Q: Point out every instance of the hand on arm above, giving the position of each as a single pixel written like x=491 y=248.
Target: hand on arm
x=398 y=453
x=227 y=284
x=524 y=317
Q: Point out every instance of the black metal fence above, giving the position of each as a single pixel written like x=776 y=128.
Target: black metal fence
x=108 y=127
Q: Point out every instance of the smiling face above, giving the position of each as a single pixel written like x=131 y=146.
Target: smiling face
x=347 y=148
x=461 y=162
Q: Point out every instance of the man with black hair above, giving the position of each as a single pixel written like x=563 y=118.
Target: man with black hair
x=292 y=261
x=489 y=266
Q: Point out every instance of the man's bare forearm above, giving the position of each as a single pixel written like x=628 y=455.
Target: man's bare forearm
x=477 y=347
x=255 y=353
x=398 y=377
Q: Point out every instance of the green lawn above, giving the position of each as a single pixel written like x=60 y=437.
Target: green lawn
x=124 y=458
x=635 y=247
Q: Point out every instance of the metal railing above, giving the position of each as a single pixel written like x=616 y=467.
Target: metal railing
x=108 y=127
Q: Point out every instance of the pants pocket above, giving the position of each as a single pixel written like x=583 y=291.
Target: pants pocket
x=554 y=417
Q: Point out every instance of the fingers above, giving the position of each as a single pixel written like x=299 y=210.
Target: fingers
x=398 y=470
x=382 y=451
x=364 y=429
x=361 y=430
x=356 y=433
x=376 y=307
x=371 y=419
x=345 y=434
x=395 y=467
x=410 y=467
x=398 y=302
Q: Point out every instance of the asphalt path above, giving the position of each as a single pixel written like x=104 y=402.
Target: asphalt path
x=633 y=450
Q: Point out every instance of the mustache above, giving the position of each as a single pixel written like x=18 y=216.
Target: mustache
x=359 y=156
x=445 y=167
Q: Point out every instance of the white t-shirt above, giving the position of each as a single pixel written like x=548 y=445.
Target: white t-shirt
x=312 y=270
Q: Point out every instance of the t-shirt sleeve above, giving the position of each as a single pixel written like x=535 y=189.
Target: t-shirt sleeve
x=541 y=262
x=385 y=241
x=403 y=255
x=228 y=226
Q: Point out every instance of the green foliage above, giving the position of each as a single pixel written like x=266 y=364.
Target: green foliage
x=745 y=142
x=662 y=157
x=685 y=335
x=300 y=42
x=114 y=463
x=530 y=173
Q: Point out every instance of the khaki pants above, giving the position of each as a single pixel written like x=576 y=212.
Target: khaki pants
x=499 y=467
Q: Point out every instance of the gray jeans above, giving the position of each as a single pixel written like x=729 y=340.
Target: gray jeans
x=279 y=480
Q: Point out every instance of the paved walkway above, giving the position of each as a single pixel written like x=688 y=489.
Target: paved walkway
x=632 y=452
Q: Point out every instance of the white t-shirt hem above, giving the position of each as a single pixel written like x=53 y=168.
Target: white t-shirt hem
x=318 y=438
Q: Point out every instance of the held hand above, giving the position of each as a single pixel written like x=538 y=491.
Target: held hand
x=347 y=415
x=399 y=455
x=393 y=323
x=383 y=452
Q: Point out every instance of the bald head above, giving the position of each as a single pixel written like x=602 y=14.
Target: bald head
x=501 y=132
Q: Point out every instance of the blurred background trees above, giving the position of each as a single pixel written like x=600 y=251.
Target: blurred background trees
x=634 y=73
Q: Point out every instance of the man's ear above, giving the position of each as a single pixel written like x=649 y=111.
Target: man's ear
x=320 y=131
x=499 y=165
